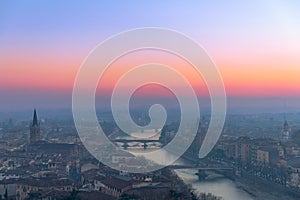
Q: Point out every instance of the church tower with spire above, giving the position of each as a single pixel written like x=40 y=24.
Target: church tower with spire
x=34 y=129
x=286 y=131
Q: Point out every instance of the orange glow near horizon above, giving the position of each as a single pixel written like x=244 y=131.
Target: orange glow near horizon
x=261 y=77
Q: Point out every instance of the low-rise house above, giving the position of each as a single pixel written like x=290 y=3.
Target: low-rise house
x=155 y=191
x=115 y=185
x=33 y=185
x=294 y=166
x=8 y=186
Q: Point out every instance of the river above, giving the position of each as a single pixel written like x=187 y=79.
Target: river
x=215 y=184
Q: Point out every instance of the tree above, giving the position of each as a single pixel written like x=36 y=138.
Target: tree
x=176 y=195
x=129 y=197
x=73 y=195
x=6 y=194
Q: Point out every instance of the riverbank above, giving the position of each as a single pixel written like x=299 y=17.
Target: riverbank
x=217 y=185
x=246 y=187
x=188 y=192
x=260 y=189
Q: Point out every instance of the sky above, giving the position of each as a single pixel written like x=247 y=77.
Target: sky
x=255 y=45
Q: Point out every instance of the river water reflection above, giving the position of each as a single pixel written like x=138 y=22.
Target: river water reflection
x=216 y=185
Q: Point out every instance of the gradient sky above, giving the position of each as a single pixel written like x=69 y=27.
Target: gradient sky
x=255 y=44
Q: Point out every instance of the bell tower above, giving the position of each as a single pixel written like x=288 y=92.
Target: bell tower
x=34 y=129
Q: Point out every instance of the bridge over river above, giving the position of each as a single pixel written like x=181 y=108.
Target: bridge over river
x=144 y=137
x=228 y=172
x=152 y=136
x=125 y=142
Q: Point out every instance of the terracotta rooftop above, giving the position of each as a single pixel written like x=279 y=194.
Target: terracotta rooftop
x=117 y=182
x=46 y=182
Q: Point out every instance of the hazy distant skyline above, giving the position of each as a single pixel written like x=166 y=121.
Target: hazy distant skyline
x=255 y=45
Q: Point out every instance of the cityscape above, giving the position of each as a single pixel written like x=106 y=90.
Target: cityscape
x=158 y=100
x=43 y=158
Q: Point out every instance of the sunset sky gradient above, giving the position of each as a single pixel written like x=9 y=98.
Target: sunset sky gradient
x=255 y=44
